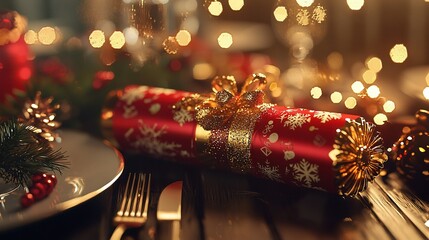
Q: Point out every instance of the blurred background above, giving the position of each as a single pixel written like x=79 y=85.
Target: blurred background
x=368 y=58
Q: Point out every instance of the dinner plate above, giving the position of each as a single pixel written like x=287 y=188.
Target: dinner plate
x=94 y=165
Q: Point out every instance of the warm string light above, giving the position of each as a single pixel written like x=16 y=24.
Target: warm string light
x=45 y=36
x=215 y=8
x=316 y=92
x=355 y=4
x=280 y=13
x=376 y=106
x=305 y=3
x=225 y=40
x=183 y=38
x=399 y=53
x=236 y=5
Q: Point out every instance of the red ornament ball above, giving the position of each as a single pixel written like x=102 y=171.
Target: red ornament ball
x=411 y=151
x=15 y=67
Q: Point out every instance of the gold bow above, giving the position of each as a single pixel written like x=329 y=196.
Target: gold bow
x=215 y=111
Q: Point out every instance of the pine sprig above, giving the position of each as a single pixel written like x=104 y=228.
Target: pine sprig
x=24 y=153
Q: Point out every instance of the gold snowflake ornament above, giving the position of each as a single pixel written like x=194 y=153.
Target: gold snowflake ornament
x=40 y=114
x=359 y=156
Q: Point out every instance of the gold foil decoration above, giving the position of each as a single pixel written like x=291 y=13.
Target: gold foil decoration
x=240 y=137
x=40 y=114
x=228 y=113
x=359 y=156
x=217 y=111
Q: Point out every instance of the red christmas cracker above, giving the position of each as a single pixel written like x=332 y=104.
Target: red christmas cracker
x=237 y=131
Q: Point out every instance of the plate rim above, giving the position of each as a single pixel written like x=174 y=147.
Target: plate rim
x=71 y=203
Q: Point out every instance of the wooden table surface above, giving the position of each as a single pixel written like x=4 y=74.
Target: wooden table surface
x=219 y=205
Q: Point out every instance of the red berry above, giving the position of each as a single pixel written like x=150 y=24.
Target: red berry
x=39 y=177
x=27 y=200
x=38 y=190
x=49 y=185
x=54 y=179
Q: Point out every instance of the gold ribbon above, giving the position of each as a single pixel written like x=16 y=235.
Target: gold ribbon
x=227 y=118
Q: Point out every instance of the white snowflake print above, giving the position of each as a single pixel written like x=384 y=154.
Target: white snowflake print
x=266 y=151
x=303 y=17
x=185 y=153
x=288 y=155
x=265 y=106
x=182 y=116
x=148 y=138
x=271 y=172
x=129 y=111
x=295 y=120
x=132 y=95
x=319 y=14
x=306 y=173
x=165 y=91
x=268 y=127
x=326 y=116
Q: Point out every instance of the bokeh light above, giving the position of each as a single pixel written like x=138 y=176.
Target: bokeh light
x=398 y=53
x=225 y=40
x=117 y=40
x=280 y=13
x=170 y=45
x=305 y=3
x=47 y=35
x=389 y=106
x=215 y=8
x=357 y=87
x=426 y=92
x=374 y=64
x=335 y=60
x=97 y=38
x=131 y=35
x=336 y=97
x=380 y=118
x=373 y=91
x=316 y=92
x=203 y=71
x=355 y=4
x=369 y=76
x=350 y=102
x=183 y=38
x=236 y=5
x=30 y=37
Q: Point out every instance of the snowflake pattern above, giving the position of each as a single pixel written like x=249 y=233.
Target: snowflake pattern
x=319 y=14
x=306 y=173
x=129 y=111
x=271 y=172
x=265 y=106
x=326 y=116
x=132 y=95
x=303 y=17
x=165 y=91
x=182 y=116
x=294 y=121
x=148 y=139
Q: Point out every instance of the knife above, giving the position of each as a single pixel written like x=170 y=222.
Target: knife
x=169 y=211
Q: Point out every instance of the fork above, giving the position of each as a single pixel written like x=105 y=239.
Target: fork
x=134 y=202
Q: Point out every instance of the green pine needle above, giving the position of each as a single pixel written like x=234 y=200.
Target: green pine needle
x=24 y=153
